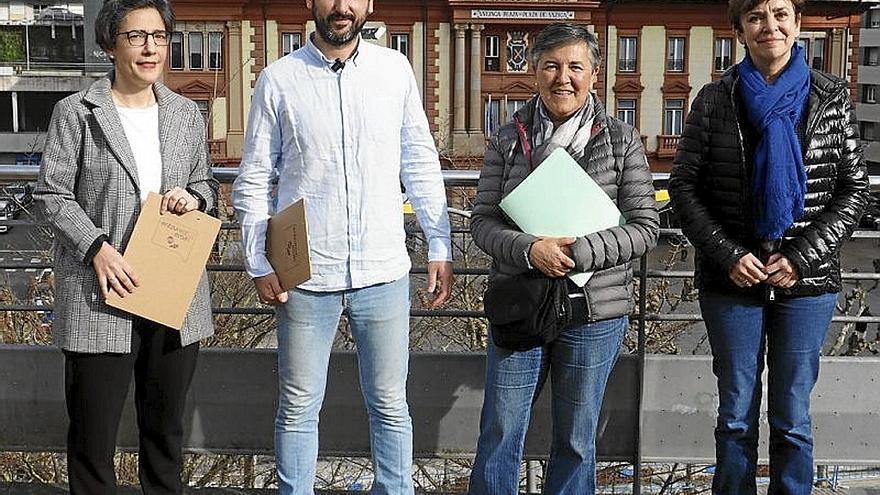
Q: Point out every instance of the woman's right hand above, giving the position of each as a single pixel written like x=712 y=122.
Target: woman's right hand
x=747 y=271
x=552 y=255
x=114 y=272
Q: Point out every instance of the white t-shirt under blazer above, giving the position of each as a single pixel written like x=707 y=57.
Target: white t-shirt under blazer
x=141 y=126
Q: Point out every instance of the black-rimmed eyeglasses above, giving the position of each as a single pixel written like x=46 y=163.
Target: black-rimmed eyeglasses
x=139 y=37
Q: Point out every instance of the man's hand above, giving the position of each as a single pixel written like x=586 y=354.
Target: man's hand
x=747 y=271
x=781 y=273
x=439 y=282
x=178 y=201
x=269 y=290
x=552 y=255
x=113 y=272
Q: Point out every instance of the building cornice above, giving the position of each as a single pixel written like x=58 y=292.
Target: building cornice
x=205 y=10
x=569 y=4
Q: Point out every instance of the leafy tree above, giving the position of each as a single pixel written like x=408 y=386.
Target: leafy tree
x=11 y=46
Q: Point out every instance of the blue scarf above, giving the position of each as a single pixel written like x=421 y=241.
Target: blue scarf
x=780 y=181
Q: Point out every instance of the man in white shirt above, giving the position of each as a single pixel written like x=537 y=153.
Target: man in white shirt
x=340 y=123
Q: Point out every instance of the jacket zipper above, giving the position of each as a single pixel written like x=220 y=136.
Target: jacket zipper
x=587 y=303
x=597 y=127
x=811 y=125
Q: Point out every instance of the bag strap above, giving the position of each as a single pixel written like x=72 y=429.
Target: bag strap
x=524 y=140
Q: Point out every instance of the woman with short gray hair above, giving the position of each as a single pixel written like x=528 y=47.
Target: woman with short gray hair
x=565 y=114
x=558 y=35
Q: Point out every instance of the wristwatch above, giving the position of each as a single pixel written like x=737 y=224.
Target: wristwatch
x=526 y=252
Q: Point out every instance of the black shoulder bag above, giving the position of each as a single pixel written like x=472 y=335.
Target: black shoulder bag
x=526 y=310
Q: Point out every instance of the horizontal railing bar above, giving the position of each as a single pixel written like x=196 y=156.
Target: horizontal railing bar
x=651 y=273
x=443 y=313
x=858 y=234
x=267 y=310
x=690 y=274
x=223 y=226
x=671 y=317
x=416 y=313
x=29 y=308
x=19 y=223
x=696 y=318
x=228 y=174
x=15 y=265
x=467 y=178
x=421 y=270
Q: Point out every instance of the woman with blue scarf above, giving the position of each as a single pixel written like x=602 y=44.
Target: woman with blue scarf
x=768 y=182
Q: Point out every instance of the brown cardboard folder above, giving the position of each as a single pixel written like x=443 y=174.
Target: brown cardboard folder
x=168 y=253
x=287 y=245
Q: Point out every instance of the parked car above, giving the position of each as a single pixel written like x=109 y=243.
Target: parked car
x=19 y=195
x=871 y=218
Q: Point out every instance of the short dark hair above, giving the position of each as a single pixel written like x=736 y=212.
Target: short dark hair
x=562 y=34
x=736 y=8
x=114 y=11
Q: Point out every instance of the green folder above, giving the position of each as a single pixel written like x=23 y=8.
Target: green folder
x=559 y=199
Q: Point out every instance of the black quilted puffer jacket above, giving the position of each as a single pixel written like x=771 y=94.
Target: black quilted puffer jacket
x=614 y=158
x=711 y=185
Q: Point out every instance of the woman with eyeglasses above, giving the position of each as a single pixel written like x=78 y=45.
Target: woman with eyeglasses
x=107 y=147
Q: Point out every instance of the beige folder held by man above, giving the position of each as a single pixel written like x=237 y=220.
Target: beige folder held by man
x=168 y=253
x=287 y=245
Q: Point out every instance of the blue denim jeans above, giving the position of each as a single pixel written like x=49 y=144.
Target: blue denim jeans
x=579 y=362
x=792 y=329
x=307 y=323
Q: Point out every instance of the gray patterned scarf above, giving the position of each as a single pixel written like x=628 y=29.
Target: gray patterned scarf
x=573 y=135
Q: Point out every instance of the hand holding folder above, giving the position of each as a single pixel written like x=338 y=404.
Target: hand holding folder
x=287 y=245
x=559 y=199
x=168 y=253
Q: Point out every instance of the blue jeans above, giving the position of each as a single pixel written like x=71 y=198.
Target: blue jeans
x=579 y=362
x=792 y=329
x=379 y=320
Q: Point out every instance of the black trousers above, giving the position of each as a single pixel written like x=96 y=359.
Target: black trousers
x=96 y=386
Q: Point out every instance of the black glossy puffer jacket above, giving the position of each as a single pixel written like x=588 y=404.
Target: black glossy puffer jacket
x=712 y=176
x=614 y=158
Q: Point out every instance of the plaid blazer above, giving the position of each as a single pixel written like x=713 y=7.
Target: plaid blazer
x=88 y=187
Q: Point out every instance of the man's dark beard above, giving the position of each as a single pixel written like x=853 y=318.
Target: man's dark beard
x=322 y=25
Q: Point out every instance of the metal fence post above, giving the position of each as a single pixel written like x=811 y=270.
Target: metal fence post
x=643 y=309
x=532 y=470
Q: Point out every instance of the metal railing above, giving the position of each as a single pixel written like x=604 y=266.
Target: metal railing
x=653 y=406
x=627 y=65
